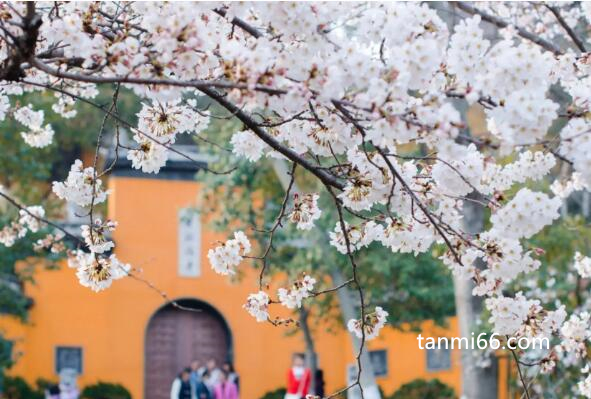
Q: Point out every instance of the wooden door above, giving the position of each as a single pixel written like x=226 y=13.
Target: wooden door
x=174 y=339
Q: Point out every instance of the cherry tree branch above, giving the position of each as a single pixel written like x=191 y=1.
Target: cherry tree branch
x=125 y=123
x=80 y=244
x=357 y=284
x=23 y=208
x=501 y=23
x=326 y=178
x=276 y=225
x=570 y=32
x=521 y=377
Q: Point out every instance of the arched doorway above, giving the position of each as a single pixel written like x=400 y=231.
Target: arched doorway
x=175 y=337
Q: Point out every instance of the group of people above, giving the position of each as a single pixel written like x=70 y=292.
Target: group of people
x=211 y=382
x=206 y=382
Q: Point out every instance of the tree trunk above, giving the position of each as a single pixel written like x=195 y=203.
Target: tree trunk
x=348 y=311
x=477 y=382
x=311 y=356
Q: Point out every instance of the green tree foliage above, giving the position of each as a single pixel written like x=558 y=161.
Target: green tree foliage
x=18 y=388
x=105 y=390
x=423 y=389
x=26 y=167
x=276 y=394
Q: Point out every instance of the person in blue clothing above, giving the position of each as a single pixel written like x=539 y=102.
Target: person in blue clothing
x=196 y=375
x=201 y=389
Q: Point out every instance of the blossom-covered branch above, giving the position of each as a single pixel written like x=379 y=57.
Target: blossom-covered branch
x=368 y=102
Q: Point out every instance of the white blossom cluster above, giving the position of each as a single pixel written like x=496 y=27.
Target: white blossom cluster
x=96 y=235
x=582 y=265
x=97 y=272
x=371 y=325
x=460 y=173
x=228 y=255
x=359 y=236
x=292 y=298
x=522 y=317
x=82 y=187
x=29 y=220
x=305 y=211
x=246 y=144
x=38 y=136
x=584 y=386
x=563 y=189
x=575 y=334
x=51 y=242
x=158 y=126
x=94 y=269
x=530 y=166
x=576 y=145
x=500 y=248
x=467 y=49
x=508 y=314
x=526 y=214
x=258 y=306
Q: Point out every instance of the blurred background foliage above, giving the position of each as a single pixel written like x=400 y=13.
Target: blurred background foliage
x=412 y=289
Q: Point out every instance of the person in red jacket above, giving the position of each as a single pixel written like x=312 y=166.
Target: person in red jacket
x=298 y=378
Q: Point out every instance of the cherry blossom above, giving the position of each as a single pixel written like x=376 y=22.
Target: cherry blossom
x=10 y=233
x=372 y=324
x=576 y=145
x=508 y=314
x=95 y=236
x=38 y=136
x=97 y=272
x=227 y=256
x=563 y=189
x=81 y=186
x=305 y=211
x=292 y=298
x=258 y=306
x=30 y=218
x=149 y=156
x=584 y=387
x=582 y=265
x=575 y=334
x=466 y=53
x=526 y=214
x=51 y=242
x=371 y=102
x=247 y=145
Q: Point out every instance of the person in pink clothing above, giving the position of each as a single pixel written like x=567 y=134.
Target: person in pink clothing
x=225 y=389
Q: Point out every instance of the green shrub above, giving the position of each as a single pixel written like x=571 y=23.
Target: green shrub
x=276 y=394
x=105 y=390
x=18 y=388
x=422 y=389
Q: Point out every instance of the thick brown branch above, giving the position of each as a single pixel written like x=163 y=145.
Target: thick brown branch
x=501 y=23
x=325 y=177
x=23 y=47
x=197 y=84
x=240 y=23
x=569 y=31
